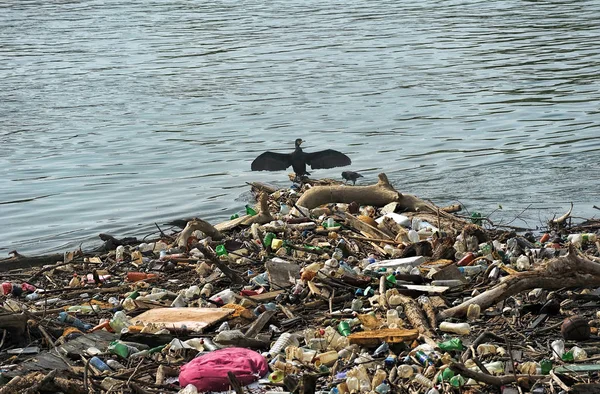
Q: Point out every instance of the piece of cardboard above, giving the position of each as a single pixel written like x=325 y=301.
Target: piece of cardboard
x=193 y=319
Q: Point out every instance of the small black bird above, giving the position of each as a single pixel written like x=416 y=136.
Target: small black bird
x=271 y=161
x=351 y=176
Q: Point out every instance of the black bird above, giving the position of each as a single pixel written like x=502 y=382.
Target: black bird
x=351 y=176
x=298 y=159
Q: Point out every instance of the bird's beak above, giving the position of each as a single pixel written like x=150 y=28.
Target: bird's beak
x=301 y=141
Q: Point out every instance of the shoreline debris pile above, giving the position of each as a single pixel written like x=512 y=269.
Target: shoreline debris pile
x=326 y=288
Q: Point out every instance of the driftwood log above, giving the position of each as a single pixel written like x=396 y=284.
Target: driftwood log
x=378 y=194
x=571 y=270
x=197 y=224
x=263 y=216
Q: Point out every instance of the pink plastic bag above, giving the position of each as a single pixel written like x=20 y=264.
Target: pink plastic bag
x=209 y=372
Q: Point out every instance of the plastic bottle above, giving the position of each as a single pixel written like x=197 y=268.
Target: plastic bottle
x=327 y=358
x=378 y=377
x=356 y=305
x=423 y=381
x=495 y=368
x=206 y=290
x=135 y=276
x=486 y=348
x=448 y=282
x=423 y=358
x=119 y=321
x=383 y=388
x=192 y=292
x=578 y=353
x=115 y=365
x=75 y=281
x=86 y=309
x=454 y=344
x=344 y=328
x=73 y=321
x=456 y=328
x=558 y=349
x=466 y=260
x=405 y=371
x=226 y=296
x=473 y=312
x=280 y=344
x=353 y=384
x=119 y=252
x=413 y=236
x=99 y=364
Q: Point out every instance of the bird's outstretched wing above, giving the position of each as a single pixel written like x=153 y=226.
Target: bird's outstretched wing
x=328 y=158
x=271 y=161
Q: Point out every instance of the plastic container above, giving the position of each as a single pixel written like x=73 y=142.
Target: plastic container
x=456 y=328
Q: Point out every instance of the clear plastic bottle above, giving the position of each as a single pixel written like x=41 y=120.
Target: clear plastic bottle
x=558 y=349
x=423 y=381
x=578 y=353
x=75 y=281
x=119 y=253
x=353 y=384
x=473 y=312
x=486 y=348
x=392 y=317
x=378 y=377
x=224 y=297
x=405 y=371
x=413 y=236
x=192 y=292
x=280 y=344
x=206 y=290
x=120 y=321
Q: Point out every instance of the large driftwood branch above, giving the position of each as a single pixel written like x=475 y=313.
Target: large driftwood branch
x=197 y=224
x=489 y=379
x=568 y=271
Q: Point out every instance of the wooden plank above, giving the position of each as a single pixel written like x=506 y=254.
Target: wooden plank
x=271 y=295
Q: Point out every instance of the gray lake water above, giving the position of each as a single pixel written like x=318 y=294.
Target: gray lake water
x=118 y=114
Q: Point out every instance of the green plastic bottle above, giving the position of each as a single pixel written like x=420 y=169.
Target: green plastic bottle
x=250 y=211
x=546 y=366
x=451 y=344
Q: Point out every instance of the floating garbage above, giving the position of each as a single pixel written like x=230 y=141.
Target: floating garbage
x=325 y=288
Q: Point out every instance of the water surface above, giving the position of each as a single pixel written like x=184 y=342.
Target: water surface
x=116 y=115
